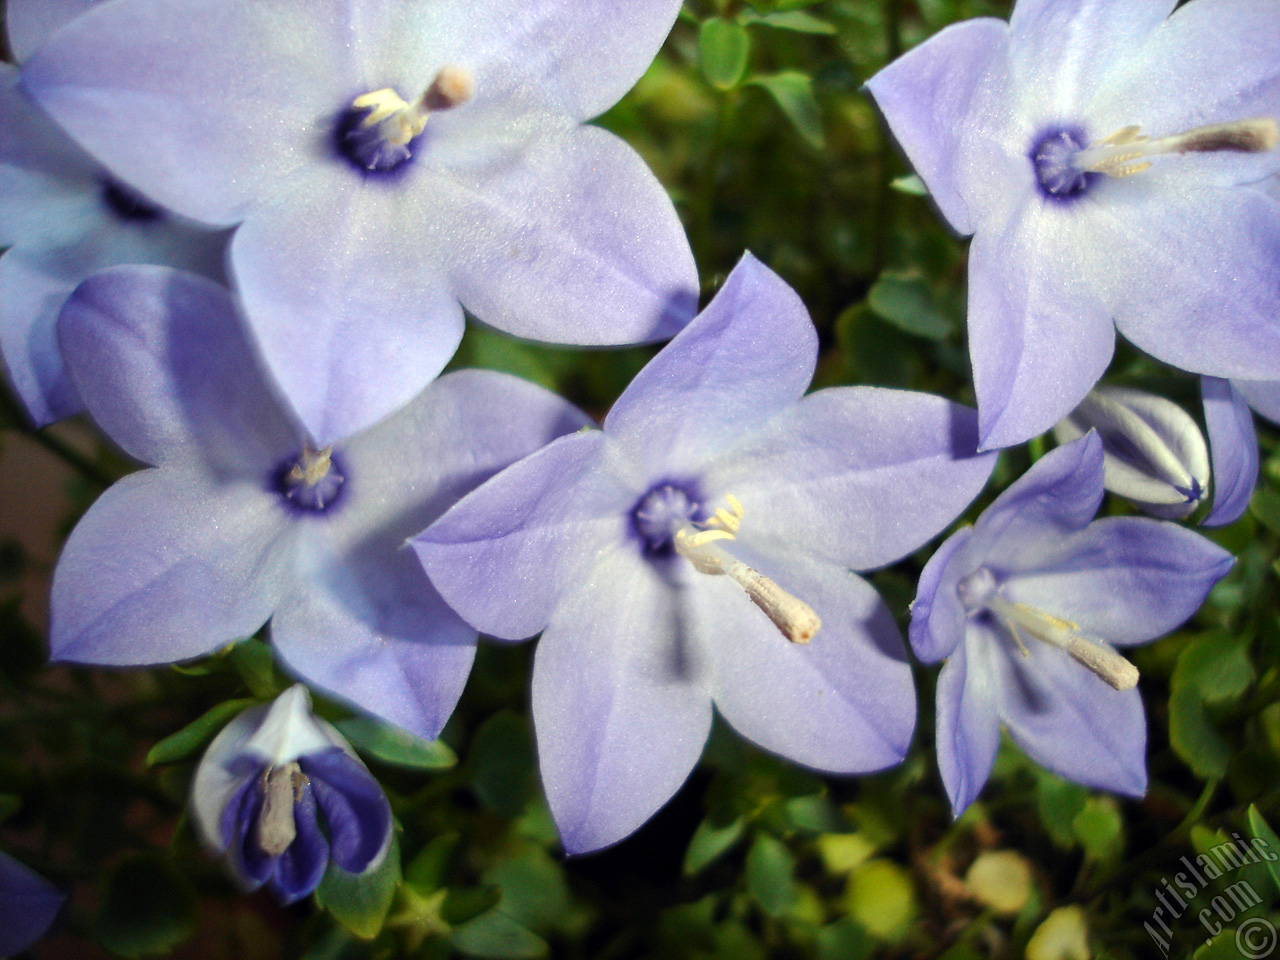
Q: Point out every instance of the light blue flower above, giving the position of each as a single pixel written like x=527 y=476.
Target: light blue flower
x=1028 y=606
x=242 y=518
x=388 y=165
x=280 y=793
x=1105 y=155
x=28 y=906
x=698 y=550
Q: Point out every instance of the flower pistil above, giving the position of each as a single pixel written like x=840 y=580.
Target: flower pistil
x=796 y=620
x=1125 y=152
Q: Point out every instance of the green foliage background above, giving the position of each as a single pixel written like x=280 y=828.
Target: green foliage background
x=754 y=118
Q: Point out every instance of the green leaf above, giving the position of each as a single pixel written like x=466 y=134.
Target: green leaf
x=880 y=896
x=798 y=21
x=1059 y=802
x=495 y=936
x=723 y=51
x=1100 y=828
x=426 y=871
x=503 y=770
x=793 y=92
x=464 y=905
x=710 y=842
x=534 y=891
x=10 y=803
x=147 y=907
x=1213 y=668
x=256 y=664
x=394 y=746
x=360 y=901
x=844 y=940
x=911 y=185
x=195 y=735
x=1262 y=831
x=1265 y=506
x=771 y=875
x=906 y=302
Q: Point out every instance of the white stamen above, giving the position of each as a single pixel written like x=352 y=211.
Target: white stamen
x=400 y=122
x=281 y=788
x=796 y=620
x=1124 y=153
x=1089 y=652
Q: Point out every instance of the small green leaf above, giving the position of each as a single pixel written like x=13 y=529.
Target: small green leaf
x=502 y=764
x=1059 y=802
x=793 y=92
x=1262 y=831
x=911 y=185
x=771 y=875
x=1265 y=506
x=426 y=871
x=880 y=896
x=147 y=907
x=10 y=803
x=535 y=892
x=495 y=936
x=1213 y=668
x=360 y=901
x=797 y=20
x=195 y=735
x=710 y=842
x=394 y=746
x=907 y=303
x=256 y=664
x=1100 y=828
x=844 y=940
x=463 y=905
x=723 y=51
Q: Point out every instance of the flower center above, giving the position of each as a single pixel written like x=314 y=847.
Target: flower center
x=659 y=513
x=378 y=129
x=704 y=548
x=979 y=592
x=1066 y=165
x=312 y=483
x=281 y=789
x=127 y=204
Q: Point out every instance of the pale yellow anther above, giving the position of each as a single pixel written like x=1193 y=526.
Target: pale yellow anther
x=402 y=121
x=795 y=619
x=1114 y=156
x=1089 y=652
x=312 y=467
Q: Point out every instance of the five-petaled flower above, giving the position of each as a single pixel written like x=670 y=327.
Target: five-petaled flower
x=1105 y=155
x=243 y=518
x=388 y=165
x=698 y=549
x=1028 y=606
x=266 y=783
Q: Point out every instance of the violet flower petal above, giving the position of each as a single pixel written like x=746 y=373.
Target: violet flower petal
x=236 y=117
x=938 y=620
x=1030 y=367
x=611 y=753
x=371 y=630
x=550 y=513
x=1059 y=495
x=577 y=243
x=359 y=288
x=1070 y=722
x=839 y=460
x=844 y=702
x=299 y=870
x=578 y=58
x=932 y=96
x=1263 y=396
x=749 y=355
x=28 y=906
x=164 y=367
x=28 y=23
x=968 y=719
x=1234 y=443
x=1127 y=580
x=1203 y=307
x=169 y=565
x=1064 y=51
x=355 y=809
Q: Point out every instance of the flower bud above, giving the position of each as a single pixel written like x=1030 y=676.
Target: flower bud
x=1153 y=451
x=263 y=787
